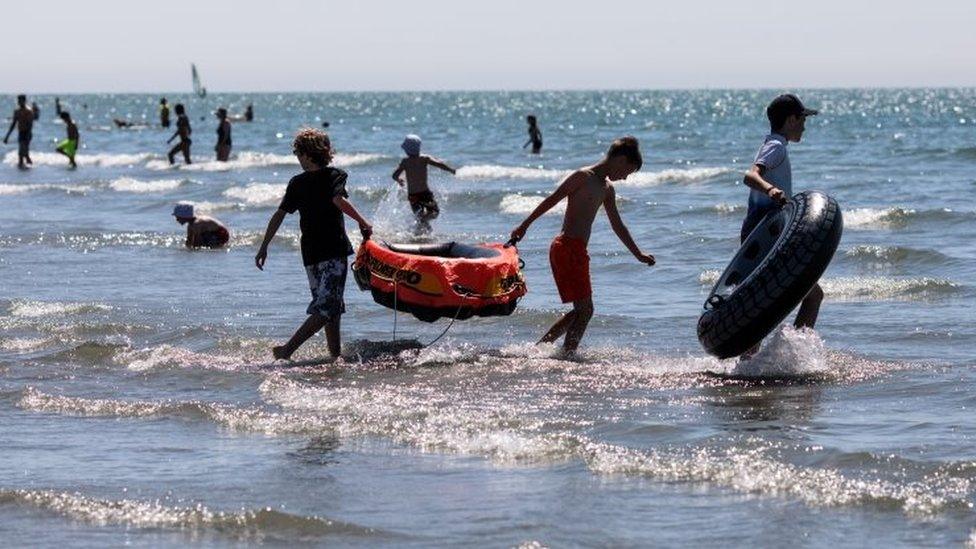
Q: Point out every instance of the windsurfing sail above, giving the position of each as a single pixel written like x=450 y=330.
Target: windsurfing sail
x=197 y=86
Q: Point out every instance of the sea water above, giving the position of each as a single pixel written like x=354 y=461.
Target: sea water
x=139 y=403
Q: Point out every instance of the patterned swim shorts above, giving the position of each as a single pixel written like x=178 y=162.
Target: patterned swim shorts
x=327 y=280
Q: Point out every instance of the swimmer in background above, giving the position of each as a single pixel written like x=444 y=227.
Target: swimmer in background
x=223 y=136
x=535 y=135
x=201 y=231
x=36 y=110
x=422 y=201
x=249 y=113
x=183 y=131
x=57 y=106
x=163 y=112
x=23 y=119
x=69 y=146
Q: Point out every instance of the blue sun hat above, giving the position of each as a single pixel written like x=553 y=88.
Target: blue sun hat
x=183 y=209
x=411 y=145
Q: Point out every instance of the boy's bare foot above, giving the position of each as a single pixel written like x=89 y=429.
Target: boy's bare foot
x=280 y=352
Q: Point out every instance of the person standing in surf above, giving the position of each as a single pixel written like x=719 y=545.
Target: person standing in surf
x=223 y=136
x=183 y=131
x=69 y=146
x=770 y=182
x=163 y=112
x=586 y=189
x=23 y=119
x=535 y=134
x=320 y=197
x=421 y=199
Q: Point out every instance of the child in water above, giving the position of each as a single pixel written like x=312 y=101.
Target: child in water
x=201 y=231
x=418 y=193
x=587 y=189
x=69 y=146
x=535 y=135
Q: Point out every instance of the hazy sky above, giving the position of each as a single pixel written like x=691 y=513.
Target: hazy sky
x=323 y=45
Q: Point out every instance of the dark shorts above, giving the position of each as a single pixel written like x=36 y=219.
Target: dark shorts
x=752 y=220
x=23 y=143
x=215 y=239
x=424 y=206
x=327 y=281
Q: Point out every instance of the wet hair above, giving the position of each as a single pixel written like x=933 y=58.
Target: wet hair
x=629 y=148
x=162 y=100
x=222 y=112
x=21 y=98
x=315 y=145
x=65 y=115
x=530 y=119
x=179 y=108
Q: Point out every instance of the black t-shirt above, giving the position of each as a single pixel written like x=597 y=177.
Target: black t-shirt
x=323 y=228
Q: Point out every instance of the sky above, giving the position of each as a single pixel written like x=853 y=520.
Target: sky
x=325 y=45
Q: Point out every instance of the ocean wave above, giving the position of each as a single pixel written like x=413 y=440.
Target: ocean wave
x=258 y=194
x=520 y=204
x=141 y=360
x=754 y=471
x=877 y=218
x=246 y=524
x=10 y=189
x=894 y=254
x=250 y=420
x=130 y=185
x=96 y=160
x=36 y=309
x=250 y=159
x=870 y=288
x=639 y=179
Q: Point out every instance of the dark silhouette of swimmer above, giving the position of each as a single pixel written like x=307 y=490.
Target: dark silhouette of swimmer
x=249 y=113
x=163 y=113
x=535 y=135
x=183 y=131
x=23 y=119
x=223 y=136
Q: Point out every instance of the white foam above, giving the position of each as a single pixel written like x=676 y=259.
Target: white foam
x=868 y=288
x=35 y=309
x=96 y=160
x=249 y=159
x=130 y=185
x=524 y=204
x=789 y=352
x=152 y=358
x=488 y=171
x=689 y=175
x=258 y=194
x=876 y=218
x=8 y=189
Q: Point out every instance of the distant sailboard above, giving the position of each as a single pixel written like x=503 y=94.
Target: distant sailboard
x=197 y=86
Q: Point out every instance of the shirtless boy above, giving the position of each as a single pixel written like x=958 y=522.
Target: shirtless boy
x=201 y=231
x=69 y=146
x=183 y=131
x=587 y=189
x=415 y=165
x=24 y=120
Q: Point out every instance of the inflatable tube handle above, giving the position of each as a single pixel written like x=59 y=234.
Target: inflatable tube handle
x=715 y=301
x=512 y=242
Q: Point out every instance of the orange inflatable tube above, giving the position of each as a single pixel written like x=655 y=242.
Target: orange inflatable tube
x=449 y=279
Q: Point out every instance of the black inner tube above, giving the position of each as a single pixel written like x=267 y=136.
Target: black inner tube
x=756 y=247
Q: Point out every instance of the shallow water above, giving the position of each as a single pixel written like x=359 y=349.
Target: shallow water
x=139 y=403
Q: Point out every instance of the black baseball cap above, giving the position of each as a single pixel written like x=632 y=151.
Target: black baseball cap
x=785 y=105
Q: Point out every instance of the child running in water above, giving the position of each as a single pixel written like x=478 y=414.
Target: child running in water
x=418 y=193
x=587 y=189
x=319 y=195
x=69 y=146
x=201 y=231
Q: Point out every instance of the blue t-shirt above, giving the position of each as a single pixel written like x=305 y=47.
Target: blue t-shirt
x=775 y=160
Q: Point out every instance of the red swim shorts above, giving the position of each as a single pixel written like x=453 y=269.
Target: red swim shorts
x=571 y=268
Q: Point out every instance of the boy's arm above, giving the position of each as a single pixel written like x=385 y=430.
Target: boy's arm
x=397 y=172
x=269 y=233
x=191 y=236
x=347 y=208
x=440 y=164
x=567 y=187
x=617 y=224
x=175 y=134
x=754 y=180
x=13 y=122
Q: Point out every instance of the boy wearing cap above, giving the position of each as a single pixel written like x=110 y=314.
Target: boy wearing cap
x=320 y=197
x=418 y=193
x=770 y=180
x=201 y=231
